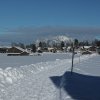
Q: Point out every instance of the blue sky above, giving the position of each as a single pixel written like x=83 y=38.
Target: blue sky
x=19 y=16
x=26 y=13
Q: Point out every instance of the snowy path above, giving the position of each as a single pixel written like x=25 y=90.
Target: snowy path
x=36 y=85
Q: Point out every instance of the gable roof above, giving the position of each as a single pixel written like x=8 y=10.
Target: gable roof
x=21 y=49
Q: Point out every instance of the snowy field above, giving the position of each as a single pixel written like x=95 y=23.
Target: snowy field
x=17 y=61
x=47 y=77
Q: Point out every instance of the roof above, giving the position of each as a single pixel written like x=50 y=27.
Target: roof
x=86 y=47
x=21 y=49
x=69 y=47
x=50 y=48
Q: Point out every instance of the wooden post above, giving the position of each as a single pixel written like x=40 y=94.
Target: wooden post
x=72 y=59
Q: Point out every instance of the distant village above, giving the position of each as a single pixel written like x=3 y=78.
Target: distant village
x=20 y=49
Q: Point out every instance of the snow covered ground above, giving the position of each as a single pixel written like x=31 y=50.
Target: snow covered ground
x=16 y=61
x=45 y=77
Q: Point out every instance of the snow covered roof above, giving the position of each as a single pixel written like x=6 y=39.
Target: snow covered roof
x=86 y=47
x=69 y=47
x=50 y=48
x=21 y=49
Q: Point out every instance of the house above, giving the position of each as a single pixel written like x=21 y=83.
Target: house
x=29 y=50
x=92 y=48
x=4 y=49
x=98 y=50
x=52 y=50
x=17 y=51
x=64 y=49
x=84 y=48
x=86 y=52
x=39 y=50
x=69 y=48
x=45 y=49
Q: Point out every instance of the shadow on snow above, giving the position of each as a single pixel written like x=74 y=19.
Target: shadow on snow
x=78 y=86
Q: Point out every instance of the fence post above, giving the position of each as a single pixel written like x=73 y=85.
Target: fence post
x=72 y=59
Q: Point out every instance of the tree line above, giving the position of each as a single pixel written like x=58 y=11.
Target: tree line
x=42 y=44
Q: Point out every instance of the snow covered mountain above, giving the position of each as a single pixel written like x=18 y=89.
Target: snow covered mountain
x=55 y=40
x=60 y=38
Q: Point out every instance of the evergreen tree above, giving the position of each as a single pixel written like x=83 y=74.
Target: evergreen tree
x=22 y=45
x=76 y=42
x=34 y=48
x=98 y=43
x=87 y=43
x=40 y=44
x=62 y=45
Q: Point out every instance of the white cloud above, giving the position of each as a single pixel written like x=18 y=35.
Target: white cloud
x=29 y=34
